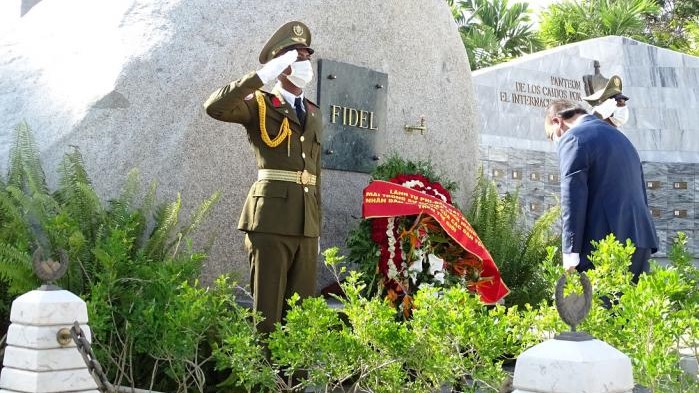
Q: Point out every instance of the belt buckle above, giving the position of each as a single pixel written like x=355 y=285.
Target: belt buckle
x=304 y=177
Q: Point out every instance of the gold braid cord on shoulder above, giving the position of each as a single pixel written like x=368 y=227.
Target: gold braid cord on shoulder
x=284 y=130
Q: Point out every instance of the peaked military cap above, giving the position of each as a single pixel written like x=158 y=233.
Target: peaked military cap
x=602 y=93
x=292 y=34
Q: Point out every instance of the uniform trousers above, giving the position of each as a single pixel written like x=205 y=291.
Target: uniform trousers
x=279 y=267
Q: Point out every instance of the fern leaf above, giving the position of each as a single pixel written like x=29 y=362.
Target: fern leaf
x=166 y=219
x=72 y=170
x=149 y=199
x=25 y=170
x=16 y=269
x=77 y=195
x=198 y=216
x=9 y=210
x=130 y=189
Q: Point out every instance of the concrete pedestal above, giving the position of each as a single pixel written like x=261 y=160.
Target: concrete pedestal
x=35 y=362
x=558 y=366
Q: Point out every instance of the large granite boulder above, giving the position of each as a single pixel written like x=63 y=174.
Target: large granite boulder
x=125 y=82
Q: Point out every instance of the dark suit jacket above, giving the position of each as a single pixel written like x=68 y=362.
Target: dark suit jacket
x=602 y=189
x=277 y=207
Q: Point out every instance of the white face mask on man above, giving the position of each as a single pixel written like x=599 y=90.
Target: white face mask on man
x=301 y=73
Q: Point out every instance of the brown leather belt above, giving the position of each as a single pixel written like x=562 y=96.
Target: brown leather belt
x=297 y=177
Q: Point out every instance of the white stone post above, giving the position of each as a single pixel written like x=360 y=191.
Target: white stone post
x=561 y=366
x=35 y=361
x=573 y=362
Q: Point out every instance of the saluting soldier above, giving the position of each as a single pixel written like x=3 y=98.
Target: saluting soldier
x=281 y=216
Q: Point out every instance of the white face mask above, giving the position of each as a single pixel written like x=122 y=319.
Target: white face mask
x=301 y=73
x=620 y=116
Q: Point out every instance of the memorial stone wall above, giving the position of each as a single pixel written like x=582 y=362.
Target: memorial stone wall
x=663 y=87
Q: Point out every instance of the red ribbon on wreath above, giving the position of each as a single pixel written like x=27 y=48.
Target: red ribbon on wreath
x=408 y=195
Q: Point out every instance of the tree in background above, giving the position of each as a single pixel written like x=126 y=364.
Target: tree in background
x=676 y=26
x=493 y=31
x=578 y=20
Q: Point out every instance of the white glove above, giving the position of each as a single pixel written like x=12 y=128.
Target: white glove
x=606 y=108
x=276 y=66
x=571 y=260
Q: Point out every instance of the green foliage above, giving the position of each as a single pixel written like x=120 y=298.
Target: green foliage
x=646 y=321
x=676 y=26
x=494 y=31
x=516 y=249
x=573 y=21
x=396 y=165
x=452 y=339
x=152 y=322
x=683 y=261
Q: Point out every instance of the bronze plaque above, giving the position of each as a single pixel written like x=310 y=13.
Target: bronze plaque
x=679 y=185
x=679 y=213
x=516 y=174
x=354 y=103
x=653 y=185
x=553 y=178
x=497 y=173
x=534 y=176
x=655 y=213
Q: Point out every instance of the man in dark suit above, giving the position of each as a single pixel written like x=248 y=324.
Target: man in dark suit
x=281 y=216
x=602 y=187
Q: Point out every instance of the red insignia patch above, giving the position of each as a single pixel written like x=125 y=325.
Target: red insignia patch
x=276 y=102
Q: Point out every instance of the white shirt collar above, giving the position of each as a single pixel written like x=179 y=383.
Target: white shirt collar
x=288 y=97
x=578 y=121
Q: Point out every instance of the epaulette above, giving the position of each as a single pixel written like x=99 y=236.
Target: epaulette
x=312 y=103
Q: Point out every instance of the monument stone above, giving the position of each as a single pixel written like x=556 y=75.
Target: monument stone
x=663 y=125
x=125 y=82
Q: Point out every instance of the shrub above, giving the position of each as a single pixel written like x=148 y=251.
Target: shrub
x=130 y=259
x=516 y=248
x=452 y=338
x=646 y=321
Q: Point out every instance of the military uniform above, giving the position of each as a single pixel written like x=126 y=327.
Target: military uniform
x=281 y=215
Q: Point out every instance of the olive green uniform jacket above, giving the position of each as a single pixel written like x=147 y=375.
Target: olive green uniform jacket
x=276 y=207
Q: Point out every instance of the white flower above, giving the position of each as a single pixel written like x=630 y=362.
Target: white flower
x=392 y=271
x=436 y=268
x=412 y=183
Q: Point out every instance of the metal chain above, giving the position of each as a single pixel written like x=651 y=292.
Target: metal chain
x=93 y=366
